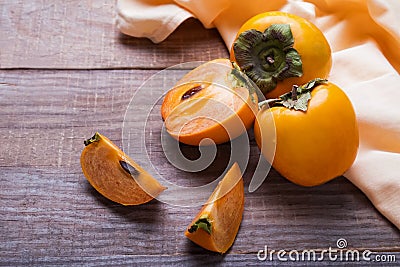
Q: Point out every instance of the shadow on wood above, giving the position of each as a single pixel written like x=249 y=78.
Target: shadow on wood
x=150 y=212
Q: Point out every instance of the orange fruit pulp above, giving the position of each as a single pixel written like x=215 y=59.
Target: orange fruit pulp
x=217 y=224
x=206 y=104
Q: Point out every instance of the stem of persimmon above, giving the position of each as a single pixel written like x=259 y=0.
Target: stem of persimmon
x=294 y=92
x=269 y=102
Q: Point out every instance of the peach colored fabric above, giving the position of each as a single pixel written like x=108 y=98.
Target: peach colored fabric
x=365 y=40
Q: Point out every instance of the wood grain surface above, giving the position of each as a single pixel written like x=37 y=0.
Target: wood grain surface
x=83 y=35
x=67 y=72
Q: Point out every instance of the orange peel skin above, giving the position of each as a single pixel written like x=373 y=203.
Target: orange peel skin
x=309 y=41
x=312 y=146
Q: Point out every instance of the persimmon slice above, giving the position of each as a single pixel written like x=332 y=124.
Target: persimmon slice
x=216 y=225
x=212 y=102
x=116 y=176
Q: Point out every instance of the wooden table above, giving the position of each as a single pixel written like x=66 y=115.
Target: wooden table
x=67 y=72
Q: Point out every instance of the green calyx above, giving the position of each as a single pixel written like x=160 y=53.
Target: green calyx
x=94 y=138
x=268 y=57
x=202 y=223
x=296 y=99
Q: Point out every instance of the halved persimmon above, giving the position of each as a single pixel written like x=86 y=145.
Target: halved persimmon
x=216 y=225
x=215 y=101
x=116 y=176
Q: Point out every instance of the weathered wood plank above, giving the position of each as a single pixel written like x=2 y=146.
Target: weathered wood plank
x=186 y=260
x=50 y=215
x=60 y=217
x=77 y=34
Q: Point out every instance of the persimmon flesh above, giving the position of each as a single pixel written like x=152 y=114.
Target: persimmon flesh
x=208 y=105
x=217 y=223
x=115 y=175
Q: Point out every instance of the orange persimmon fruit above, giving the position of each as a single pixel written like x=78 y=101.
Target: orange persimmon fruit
x=215 y=102
x=216 y=225
x=316 y=134
x=278 y=50
x=115 y=175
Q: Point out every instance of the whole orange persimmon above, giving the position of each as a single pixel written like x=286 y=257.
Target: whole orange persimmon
x=277 y=50
x=314 y=130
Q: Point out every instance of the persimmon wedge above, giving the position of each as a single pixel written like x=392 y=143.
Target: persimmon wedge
x=113 y=174
x=214 y=102
x=216 y=225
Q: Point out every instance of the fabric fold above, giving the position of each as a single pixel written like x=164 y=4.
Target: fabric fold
x=155 y=20
x=205 y=15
